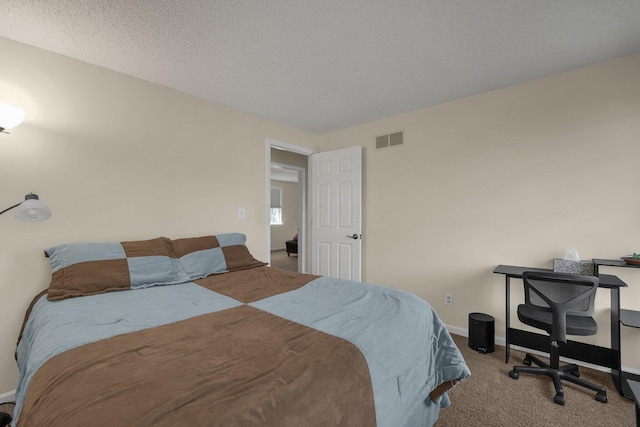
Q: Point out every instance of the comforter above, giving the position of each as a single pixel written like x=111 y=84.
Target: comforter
x=258 y=346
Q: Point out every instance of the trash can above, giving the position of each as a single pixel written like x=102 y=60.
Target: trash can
x=482 y=329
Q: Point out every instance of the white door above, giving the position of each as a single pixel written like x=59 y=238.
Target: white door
x=336 y=213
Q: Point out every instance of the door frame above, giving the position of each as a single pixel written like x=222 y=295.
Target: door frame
x=302 y=249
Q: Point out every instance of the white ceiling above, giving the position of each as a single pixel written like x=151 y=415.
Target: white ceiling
x=322 y=66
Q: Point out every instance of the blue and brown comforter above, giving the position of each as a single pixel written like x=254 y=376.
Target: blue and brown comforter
x=255 y=347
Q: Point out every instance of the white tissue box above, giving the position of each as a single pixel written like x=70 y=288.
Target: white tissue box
x=575 y=267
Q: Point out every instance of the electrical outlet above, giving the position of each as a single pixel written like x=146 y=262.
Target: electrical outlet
x=448 y=299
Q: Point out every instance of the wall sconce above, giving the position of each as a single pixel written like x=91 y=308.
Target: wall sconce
x=10 y=117
x=31 y=210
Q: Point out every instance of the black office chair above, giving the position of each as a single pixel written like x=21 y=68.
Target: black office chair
x=561 y=304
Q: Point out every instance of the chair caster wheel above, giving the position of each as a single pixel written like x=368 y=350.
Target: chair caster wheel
x=575 y=373
x=515 y=375
x=559 y=399
x=526 y=362
x=602 y=397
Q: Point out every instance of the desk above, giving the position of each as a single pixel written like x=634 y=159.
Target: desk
x=601 y=356
x=630 y=318
x=635 y=392
x=627 y=317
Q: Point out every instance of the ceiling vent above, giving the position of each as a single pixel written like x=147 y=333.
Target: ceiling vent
x=391 y=140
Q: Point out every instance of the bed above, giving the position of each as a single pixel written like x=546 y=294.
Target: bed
x=195 y=332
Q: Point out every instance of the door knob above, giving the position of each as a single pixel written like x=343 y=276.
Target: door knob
x=353 y=236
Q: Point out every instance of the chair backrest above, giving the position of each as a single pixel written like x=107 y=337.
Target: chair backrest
x=562 y=294
x=568 y=293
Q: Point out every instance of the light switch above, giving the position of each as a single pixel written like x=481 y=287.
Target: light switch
x=241 y=213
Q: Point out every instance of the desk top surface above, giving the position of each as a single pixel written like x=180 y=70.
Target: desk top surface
x=614 y=263
x=606 y=280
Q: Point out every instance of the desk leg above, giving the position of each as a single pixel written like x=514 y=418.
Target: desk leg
x=507 y=294
x=615 y=339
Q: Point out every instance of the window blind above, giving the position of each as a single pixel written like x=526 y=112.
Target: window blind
x=276 y=197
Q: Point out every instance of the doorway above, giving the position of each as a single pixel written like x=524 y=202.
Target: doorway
x=287 y=174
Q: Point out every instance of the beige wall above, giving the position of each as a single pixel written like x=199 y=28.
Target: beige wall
x=516 y=176
x=290 y=210
x=117 y=158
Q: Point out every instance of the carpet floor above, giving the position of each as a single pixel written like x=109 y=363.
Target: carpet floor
x=491 y=398
x=279 y=259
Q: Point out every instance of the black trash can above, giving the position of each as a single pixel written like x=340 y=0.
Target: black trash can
x=482 y=328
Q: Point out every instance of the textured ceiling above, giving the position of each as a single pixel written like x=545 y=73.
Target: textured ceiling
x=322 y=66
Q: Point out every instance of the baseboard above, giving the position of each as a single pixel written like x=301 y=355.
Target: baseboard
x=7 y=397
x=502 y=342
x=278 y=249
x=458 y=331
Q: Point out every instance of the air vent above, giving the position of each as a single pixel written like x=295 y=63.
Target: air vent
x=382 y=141
x=395 y=139
x=391 y=140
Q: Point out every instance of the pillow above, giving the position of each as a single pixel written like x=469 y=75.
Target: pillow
x=203 y=256
x=80 y=269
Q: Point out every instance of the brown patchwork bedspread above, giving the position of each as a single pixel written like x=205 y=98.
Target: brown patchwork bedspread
x=256 y=283
x=233 y=364
x=237 y=367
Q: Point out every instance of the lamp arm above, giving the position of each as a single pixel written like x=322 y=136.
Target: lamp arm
x=8 y=209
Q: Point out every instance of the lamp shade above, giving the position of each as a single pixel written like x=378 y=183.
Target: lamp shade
x=10 y=116
x=32 y=209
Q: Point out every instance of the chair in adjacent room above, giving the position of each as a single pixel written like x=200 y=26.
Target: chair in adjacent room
x=561 y=304
x=292 y=245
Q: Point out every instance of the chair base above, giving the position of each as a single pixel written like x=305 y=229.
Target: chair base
x=558 y=374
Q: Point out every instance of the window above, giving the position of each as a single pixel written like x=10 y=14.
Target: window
x=276 y=206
